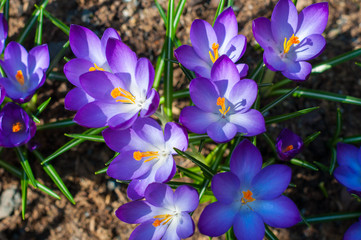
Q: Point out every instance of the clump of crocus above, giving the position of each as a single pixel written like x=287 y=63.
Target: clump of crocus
x=248 y=197
x=223 y=104
x=348 y=173
x=288 y=144
x=146 y=153
x=16 y=127
x=25 y=71
x=354 y=232
x=3 y=31
x=290 y=39
x=118 y=97
x=209 y=43
x=90 y=56
x=163 y=214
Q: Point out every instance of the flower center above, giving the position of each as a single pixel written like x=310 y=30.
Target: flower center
x=120 y=92
x=162 y=219
x=221 y=102
x=20 y=77
x=215 y=47
x=288 y=148
x=287 y=44
x=95 y=68
x=139 y=155
x=247 y=197
x=18 y=126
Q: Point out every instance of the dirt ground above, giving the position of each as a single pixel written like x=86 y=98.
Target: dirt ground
x=140 y=26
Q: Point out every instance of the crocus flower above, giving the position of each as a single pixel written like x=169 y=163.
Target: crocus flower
x=209 y=43
x=3 y=31
x=222 y=104
x=25 y=71
x=290 y=39
x=288 y=144
x=90 y=56
x=348 y=173
x=163 y=214
x=248 y=197
x=119 y=96
x=354 y=232
x=146 y=153
x=16 y=127
x=2 y=94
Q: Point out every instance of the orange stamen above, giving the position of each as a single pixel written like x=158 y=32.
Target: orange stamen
x=247 y=197
x=18 y=126
x=287 y=44
x=165 y=218
x=95 y=68
x=288 y=148
x=120 y=92
x=215 y=47
x=221 y=102
x=20 y=77
x=139 y=155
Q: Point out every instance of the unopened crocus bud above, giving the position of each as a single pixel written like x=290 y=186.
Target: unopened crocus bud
x=288 y=145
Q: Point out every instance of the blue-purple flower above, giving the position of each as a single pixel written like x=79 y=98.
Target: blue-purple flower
x=209 y=43
x=354 y=232
x=163 y=214
x=248 y=197
x=90 y=56
x=223 y=104
x=25 y=71
x=348 y=173
x=16 y=127
x=3 y=31
x=146 y=153
x=290 y=39
x=118 y=97
x=2 y=94
x=288 y=144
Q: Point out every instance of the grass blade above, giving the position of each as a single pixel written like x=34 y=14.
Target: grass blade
x=278 y=100
x=303 y=163
x=58 y=56
x=57 y=124
x=219 y=10
x=87 y=137
x=24 y=193
x=39 y=29
x=26 y=166
x=57 y=22
x=287 y=116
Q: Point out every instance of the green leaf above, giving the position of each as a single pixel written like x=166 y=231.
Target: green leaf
x=230 y=234
x=111 y=160
x=58 y=56
x=57 y=76
x=101 y=171
x=311 y=138
x=179 y=94
x=88 y=137
x=219 y=10
x=321 y=166
x=338 y=127
x=161 y=13
x=196 y=177
x=57 y=22
x=42 y=106
x=353 y=139
x=26 y=166
x=287 y=116
x=39 y=29
x=277 y=101
x=332 y=217
x=53 y=174
x=258 y=71
x=230 y=3
x=303 y=163
x=57 y=124
x=270 y=142
x=333 y=160
x=24 y=193
x=269 y=234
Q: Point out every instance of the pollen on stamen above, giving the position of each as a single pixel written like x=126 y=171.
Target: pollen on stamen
x=120 y=92
x=18 y=126
x=247 y=197
x=288 y=148
x=287 y=44
x=215 y=47
x=20 y=77
x=91 y=69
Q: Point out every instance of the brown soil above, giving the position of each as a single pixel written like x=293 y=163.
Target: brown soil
x=140 y=26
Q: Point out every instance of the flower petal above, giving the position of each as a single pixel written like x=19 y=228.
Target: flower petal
x=225 y=27
x=39 y=58
x=248 y=226
x=271 y=181
x=216 y=219
x=348 y=177
x=348 y=155
x=235 y=48
x=204 y=94
x=146 y=231
x=202 y=37
x=222 y=131
x=243 y=95
x=186 y=198
x=108 y=33
x=15 y=58
x=175 y=136
x=144 y=76
x=312 y=20
x=242 y=69
x=134 y=212
x=120 y=57
x=310 y=47
x=151 y=104
x=185 y=227
x=284 y=20
x=298 y=71
x=76 y=99
x=272 y=60
x=197 y=120
x=166 y=170
x=225 y=187
x=159 y=195
x=76 y=67
x=150 y=131
x=137 y=187
x=262 y=32
x=123 y=120
x=251 y=123
x=353 y=232
x=246 y=162
x=280 y=212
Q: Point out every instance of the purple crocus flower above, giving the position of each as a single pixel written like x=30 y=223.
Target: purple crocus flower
x=119 y=96
x=348 y=173
x=290 y=39
x=16 y=127
x=146 y=153
x=222 y=104
x=2 y=94
x=3 y=31
x=90 y=56
x=25 y=71
x=288 y=145
x=248 y=197
x=354 y=232
x=163 y=214
x=209 y=43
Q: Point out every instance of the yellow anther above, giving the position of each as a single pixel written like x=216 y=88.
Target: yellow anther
x=247 y=197
x=164 y=219
x=215 y=47
x=287 y=44
x=95 y=68
x=221 y=102
x=288 y=148
x=139 y=155
x=20 y=77
x=18 y=126
x=120 y=92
